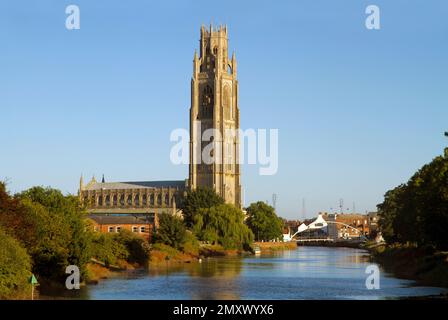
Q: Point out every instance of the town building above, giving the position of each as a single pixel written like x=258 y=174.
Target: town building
x=142 y=225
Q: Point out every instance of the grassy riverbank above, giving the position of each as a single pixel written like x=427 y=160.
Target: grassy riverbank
x=276 y=246
x=163 y=254
x=424 y=265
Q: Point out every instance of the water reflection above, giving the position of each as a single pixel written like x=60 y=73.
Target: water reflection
x=305 y=273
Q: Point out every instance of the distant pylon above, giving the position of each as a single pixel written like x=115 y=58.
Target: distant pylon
x=303 y=209
x=274 y=201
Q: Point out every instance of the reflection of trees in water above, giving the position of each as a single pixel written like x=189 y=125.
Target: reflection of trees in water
x=353 y=256
x=217 y=267
x=224 y=271
x=210 y=267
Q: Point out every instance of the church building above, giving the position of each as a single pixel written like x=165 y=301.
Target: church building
x=214 y=105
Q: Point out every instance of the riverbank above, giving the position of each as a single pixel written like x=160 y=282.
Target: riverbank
x=424 y=265
x=276 y=246
x=163 y=254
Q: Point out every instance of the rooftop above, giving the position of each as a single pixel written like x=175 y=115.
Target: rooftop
x=124 y=219
x=93 y=185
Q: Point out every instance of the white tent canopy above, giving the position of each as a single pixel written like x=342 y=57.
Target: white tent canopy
x=319 y=223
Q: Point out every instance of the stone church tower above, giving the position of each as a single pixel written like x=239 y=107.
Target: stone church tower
x=214 y=105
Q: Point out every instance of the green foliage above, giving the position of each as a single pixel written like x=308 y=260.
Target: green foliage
x=172 y=231
x=106 y=249
x=196 y=200
x=417 y=212
x=61 y=236
x=191 y=245
x=15 y=267
x=263 y=222
x=164 y=248
x=223 y=224
x=50 y=226
x=136 y=247
x=126 y=246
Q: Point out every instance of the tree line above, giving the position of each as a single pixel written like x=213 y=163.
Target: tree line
x=416 y=212
x=43 y=231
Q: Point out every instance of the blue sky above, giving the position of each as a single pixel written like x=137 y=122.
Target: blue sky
x=358 y=111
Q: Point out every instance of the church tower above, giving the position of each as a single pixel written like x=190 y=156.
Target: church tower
x=214 y=105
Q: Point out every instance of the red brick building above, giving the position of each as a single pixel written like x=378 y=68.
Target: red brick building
x=142 y=225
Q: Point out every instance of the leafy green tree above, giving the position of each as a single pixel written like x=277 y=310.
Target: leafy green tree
x=15 y=267
x=223 y=224
x=263 y=222
x=137 y=247
x=196 y=200
x=61 y=234
x=107 y=249
x=171 y=231
x=417 y=212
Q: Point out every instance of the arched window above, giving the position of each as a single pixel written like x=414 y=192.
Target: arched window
x=137 y=200
x=129 y=200
x=159 y=199
x=144 y=199
x=115 y=200
x=167 y=199
x=122 y=200
x=108 y=200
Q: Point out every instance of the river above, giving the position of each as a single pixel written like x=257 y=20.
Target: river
x=303 y=273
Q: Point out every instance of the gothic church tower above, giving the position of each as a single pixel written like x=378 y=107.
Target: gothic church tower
x=214 y=105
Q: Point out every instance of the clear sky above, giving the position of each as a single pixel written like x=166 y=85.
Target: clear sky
x=358 y=111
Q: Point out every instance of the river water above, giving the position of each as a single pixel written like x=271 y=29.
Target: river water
x=303 y=273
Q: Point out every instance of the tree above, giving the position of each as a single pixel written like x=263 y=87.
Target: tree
x=263 y=222
x=223 y=224
x=417 y=211
x=61 y=236
x=136 y=246
x=107 y=249
x=196 y=200
x=171 y=231
x=15 y=267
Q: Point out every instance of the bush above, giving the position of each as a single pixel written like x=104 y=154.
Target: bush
x=15 y=268
x=172 y=231
x=106 y=249
x=191 y=245
x=137 y=247
x=223 y=224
